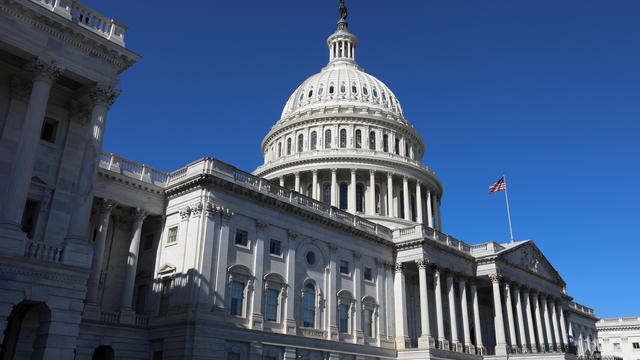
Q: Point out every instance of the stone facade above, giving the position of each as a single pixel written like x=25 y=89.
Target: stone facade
x=332 y=249
x=619 y=338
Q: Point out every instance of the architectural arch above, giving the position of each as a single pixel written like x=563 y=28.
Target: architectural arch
x=26 y=334
x=103 y=352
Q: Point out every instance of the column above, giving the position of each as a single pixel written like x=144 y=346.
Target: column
x=315 y=193
x=563 y=328
x=102 y=97
x=98 y=251
x=400 y=297
x=381 y=291
x=405 y=190
x=501 y=343
x=332 y=298
x=425 y=340
x=455 y=342
x=547 y=325
x=282 y=181
x=442 y=339
x=465 y=317
x=554 y=322
x=296 y=186
x=351 y=204
x=541 y=342
x=429 y=209
x=290 y=318
x=476 y=320
x=512 y=328
x=390 y=195
x=334 y=186
x=521 y=331
x=418 y=203
x=357 y=293
x=15 y=196
x=132 y=259
x=223 y=254
x=257 y=319
x=527 y=307
x=371 y=206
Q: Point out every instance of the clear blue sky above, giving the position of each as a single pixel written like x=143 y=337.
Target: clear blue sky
x=548 y=91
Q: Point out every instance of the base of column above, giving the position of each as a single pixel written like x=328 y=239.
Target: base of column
x=469 y=348
x=444 y=344
x=401 y=342
x=290 y=327
x=457 y=347
x=501 y=349
x=256 y=321
x=426 y=342
x=12 y=239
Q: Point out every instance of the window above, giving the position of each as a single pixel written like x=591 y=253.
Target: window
x=233 y=356
x=385 y=143
x=372 y=140
x=320 y=91
x=30 y=217
x=358 y=139
x=344 y=318
x=616 y=346
x=343 y=138
x=49 y=130
x=311 y=258
x=309 y=306
x=289 y=146
x=165 y=295
x=314 y=140
x=310 y=93
x=279 y=149
x=331 y=89
x=378 y=200
x=242 y=238
x=310 y=191
x=327 y=139
x=343 y=196
x=367 y=314
x=406 y=149
x=237 y=294
x=326 y=193
x=272 y=305
x=172 y=237
x=375 y=93
x=401 y=204
x=354 y=89
x=636 y=346
x=365 y=91
x=368 y=273
x=300 y=142
x=274 y=247
x=384 y=97
x=397 y=146
x=147 y=244
x=343 y=89
x=344 y=267
x=359 y=197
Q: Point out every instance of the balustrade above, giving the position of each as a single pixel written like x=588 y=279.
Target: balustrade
x=43 y=251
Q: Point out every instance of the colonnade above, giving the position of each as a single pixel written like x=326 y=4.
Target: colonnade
x=584 y=338
x=379 y=193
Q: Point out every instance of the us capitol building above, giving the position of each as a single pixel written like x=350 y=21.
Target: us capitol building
x=332 y=249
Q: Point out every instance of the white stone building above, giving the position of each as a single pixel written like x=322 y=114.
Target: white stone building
x=332 y=249
x=619 y=337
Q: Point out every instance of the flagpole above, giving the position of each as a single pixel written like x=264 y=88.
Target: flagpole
x=506 y=197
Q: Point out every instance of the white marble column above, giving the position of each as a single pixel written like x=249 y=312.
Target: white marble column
x=429 y=209
x=222 y=245
x=132 y=259
x=437 y=285
x=465 y=316
x=547 y=324
x=390 y=212
x=501 y=343
x=563 y=327
x=554 y=322
x=513 y=342
x=400 y=297
x=296 y=185
x=334 y=187
x=541 y=341
x=332 y=295
x=282 y=181
x=15 y=194
x=405 y=190
x=451 y=290
x=315 y=193
x=426 y=340
x=520 y=317
x=418 y=203
x=527 y=307
x=102 y=97
x=476 y=319
x=257 y=319
x=351 y=204
x=98 y=251
x=371 y=206
x=290 y=322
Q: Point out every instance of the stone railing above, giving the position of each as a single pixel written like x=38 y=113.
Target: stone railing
x=314 y=333
x=424 y=232
x=110 y=317
x=109 y=29
x=486 y=248
x=132 y=169
x=43 y=251
x=581 y=308
x=620 y=320
x=141 y=321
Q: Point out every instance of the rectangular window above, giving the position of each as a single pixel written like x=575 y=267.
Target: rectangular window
x=172 y=237
x=636 y=346
x=233 y=356
x=237 y=295
x=385 y=143
x=274 y=247
x=30 y=217
x=344 y=267
x=165 y=296
x=49 y=130
x=368 y=273
x=368 y=323
x=397 y=147
x=242 y=238
x=344 y=318
x=616 y=346
x=272 y=305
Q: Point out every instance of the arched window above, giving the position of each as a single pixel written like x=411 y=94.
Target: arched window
x=359 y=197
x=344 y=196
x=289 y=146
x=279 y=149
x=300 y=142
x=372 y=140
x=367 y=316
x=343 y=138
x=314 y=140
x=309 y=306
x=326 y=193
x=327 y=139
x=320 y=91
x=397 y=146
x=354 y=89
x=375 y=92
x=385 y=143
x=358 y=139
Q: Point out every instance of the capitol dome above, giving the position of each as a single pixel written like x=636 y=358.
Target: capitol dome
x=342 y=139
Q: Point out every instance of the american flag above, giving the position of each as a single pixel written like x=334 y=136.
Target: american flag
x=499 y=185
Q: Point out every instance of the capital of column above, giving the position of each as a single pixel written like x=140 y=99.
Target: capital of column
x=197 y=209
x=20 y=89
x=226 y=214
x=292 y=236
x=185 y=212
x=139 y=215
x=45 y=71
x=357 y=255
x=422 y=263
x=314 y=171
x=261 y=226
x=106 y=206
x=389 y=175
x=353 y=172
x=103 y=95
x=495 y=278
x=372 y=172
x=332 y=248
x=333 y=171
x=210 y=209
x=398 y=267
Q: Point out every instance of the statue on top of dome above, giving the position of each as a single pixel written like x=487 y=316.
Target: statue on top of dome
x=343 y=11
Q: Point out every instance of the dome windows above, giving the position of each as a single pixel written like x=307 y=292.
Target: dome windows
x=375 y=93
x=310 y=93
x=354 y=89
x=343 y=89
x=343 y=138
x=365 y=92
x=314 y=140
x=331 y=90
x=384 y=97
x=327 y=139
x=320 y=91
x=301 y=96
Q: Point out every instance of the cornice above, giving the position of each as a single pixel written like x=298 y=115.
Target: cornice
x=131 y=182
x=496 y=259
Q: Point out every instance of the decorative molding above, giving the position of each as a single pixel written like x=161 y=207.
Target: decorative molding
x=495 y=278
x=422 y=263
x=185 y=212
x=399 y=267
x=261 y=226
x=196 y=209
x=106 y=205
x=103 y=95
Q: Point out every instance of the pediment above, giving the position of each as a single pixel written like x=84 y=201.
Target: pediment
x=167 y=269
x=528 y=257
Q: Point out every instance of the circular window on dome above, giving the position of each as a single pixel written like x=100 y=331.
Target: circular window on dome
x=375 y=92
x=330 y=89
x=320 y=91
x=365 y=91
x=310 y=93
x=311 y=258
x=354 y=89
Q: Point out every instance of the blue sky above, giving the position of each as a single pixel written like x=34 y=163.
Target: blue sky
x=548 y=91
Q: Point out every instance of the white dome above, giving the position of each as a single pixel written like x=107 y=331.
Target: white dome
x=341 y=83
